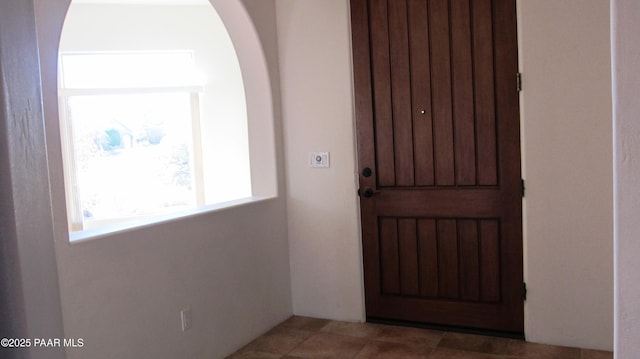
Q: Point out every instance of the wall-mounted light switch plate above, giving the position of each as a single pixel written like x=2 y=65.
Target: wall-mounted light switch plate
x=319 y=159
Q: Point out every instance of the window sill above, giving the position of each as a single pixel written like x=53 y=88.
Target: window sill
x=136 y=224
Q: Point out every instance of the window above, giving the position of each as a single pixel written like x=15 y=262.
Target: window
x=151 y=130
x=132 y=121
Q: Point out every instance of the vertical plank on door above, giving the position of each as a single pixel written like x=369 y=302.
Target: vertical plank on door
x=441 y=92
x=408 y=242
x=463 y=116
x=428 y=257
x=421 y=92
x=381 y=77
x=447 y=259
x=489 y=260
x=469 y=260
x=401 y=93
x=484 y=92
x=389 y=256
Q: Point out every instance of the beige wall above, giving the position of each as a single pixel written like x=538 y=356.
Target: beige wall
x=567 y=157
x=317 y=108
x=626 y=67
x=566 y=114
x=123 y=293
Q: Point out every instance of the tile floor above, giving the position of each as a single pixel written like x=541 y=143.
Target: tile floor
x=302 y=337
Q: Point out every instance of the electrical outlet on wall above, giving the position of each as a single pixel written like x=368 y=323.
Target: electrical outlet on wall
x=185 y=318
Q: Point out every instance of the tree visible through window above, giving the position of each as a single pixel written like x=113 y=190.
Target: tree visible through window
x=131 y=124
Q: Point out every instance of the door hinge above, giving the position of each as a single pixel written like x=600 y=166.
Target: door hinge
x=524 y=291
x=519 y=81
x=522 y=187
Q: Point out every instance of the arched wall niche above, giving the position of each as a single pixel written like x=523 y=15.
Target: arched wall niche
x=50 y=19
x=186 y=261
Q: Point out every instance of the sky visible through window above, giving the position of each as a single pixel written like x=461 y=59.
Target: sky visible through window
x=128 y=70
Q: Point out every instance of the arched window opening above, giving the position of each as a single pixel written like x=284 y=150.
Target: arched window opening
x=152 y=111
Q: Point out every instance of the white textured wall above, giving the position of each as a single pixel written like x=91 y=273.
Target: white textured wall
x=626 y=80
x=566 y=111
x=567 y=158
x=29 y=293
x=315 y=55
x=122 y=293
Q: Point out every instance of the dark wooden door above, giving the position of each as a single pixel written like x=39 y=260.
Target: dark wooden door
x=439 y=160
